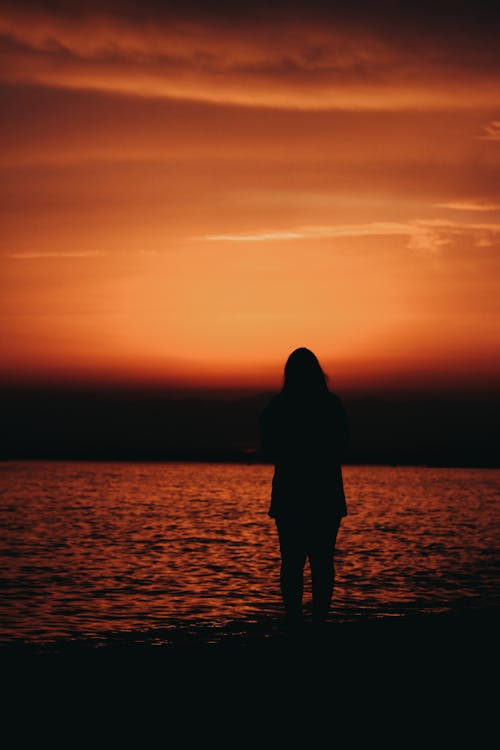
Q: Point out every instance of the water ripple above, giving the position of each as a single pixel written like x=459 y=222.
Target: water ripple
x=88 y=548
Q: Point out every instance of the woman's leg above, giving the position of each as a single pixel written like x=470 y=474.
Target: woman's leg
x=321 y=550
x=293 y=557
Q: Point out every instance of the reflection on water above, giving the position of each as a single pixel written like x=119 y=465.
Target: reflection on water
x=94 y=547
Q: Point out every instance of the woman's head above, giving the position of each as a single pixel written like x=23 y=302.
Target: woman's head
x=303 y=373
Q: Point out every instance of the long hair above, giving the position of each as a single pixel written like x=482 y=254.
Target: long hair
x=303 y=374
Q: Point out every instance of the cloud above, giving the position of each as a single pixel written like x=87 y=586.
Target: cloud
x=289 y=56
x=424 y=235
x=316 y=232
x=470 y=206
x=257 y=237
x=35 y=254
x=491 y=132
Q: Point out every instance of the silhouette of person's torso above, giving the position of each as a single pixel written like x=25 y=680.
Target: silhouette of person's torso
x=305 y=435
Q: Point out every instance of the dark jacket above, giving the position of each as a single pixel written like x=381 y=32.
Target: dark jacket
x=305 y=437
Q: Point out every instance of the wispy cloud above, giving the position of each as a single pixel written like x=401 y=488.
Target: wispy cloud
x=491 y=132
x=315 y=232
x=424 y=235
x=35 y=254
x=257 y=237
x=470 y=206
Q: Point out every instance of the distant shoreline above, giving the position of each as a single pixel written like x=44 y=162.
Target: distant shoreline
x=440 y=430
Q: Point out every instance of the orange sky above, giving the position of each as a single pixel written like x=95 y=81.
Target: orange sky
x=187 y=195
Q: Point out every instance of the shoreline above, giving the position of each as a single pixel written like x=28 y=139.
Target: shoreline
x=469 y=627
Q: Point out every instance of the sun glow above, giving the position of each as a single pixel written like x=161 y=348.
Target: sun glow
x=207 y=198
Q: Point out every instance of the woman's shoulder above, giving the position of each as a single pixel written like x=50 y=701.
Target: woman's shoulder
x=334 y=398
x=335 y=402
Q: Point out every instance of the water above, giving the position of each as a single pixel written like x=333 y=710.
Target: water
x=92 y=548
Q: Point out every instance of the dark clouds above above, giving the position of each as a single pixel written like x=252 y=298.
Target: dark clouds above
x=374 y=55
x=384 y=13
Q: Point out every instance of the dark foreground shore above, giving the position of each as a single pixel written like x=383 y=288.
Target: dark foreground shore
x=423 y=678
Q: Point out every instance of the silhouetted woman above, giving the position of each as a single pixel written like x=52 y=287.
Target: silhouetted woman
x=304 y=433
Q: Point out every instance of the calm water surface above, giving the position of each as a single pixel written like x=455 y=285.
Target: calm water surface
x=88 y=548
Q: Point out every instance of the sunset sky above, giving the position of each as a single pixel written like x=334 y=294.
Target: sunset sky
x=189 y=191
